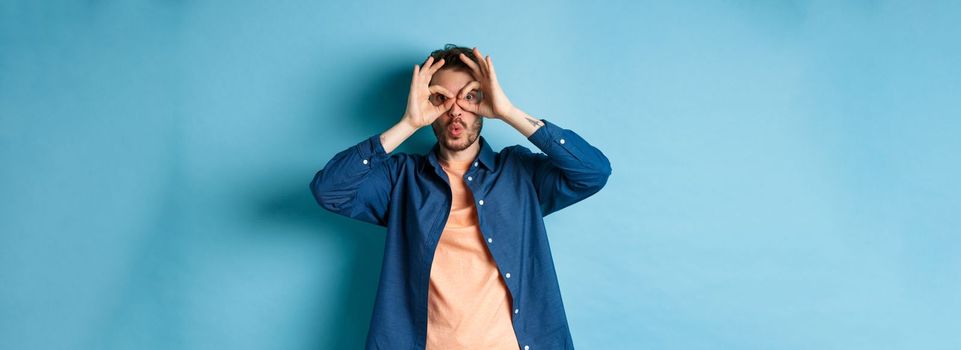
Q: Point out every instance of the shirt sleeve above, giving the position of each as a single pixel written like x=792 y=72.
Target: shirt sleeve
x=357 y=182
x=569 y=169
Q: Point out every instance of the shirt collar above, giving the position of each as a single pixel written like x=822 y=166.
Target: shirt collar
x=484 y=158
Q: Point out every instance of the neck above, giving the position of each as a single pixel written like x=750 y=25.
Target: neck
x=468 y=154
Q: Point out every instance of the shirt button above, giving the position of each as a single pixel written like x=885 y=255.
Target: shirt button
x=517 y=310
x=527 y=347
x=469 y=178
x=508 y=275
x=365 y=162
x=481 y=202
x=475 y=163
x=490 y=240
x=561 y=141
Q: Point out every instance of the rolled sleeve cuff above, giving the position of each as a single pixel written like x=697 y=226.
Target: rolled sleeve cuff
x=370 y=151
x=552 y=139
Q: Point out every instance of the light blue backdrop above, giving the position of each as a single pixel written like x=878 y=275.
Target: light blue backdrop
x=785 y=172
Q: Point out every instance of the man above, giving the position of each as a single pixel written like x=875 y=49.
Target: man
x=467 y=263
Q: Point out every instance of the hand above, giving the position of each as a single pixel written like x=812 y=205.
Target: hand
x=493 y=102
x=420 y=109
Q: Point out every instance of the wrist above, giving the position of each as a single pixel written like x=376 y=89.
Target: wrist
x=407 y=122
x=515 y=114
x=523 y=122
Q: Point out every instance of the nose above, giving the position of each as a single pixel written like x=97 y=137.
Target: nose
x=455 y=111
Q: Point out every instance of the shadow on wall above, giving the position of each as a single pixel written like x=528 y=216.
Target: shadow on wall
x=381 y=106
x=350 y=300
x=149 y=308
x=362 y=243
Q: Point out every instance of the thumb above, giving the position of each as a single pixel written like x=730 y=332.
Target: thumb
x=467 y=106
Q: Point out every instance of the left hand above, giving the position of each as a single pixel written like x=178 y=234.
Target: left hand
x=493 y=102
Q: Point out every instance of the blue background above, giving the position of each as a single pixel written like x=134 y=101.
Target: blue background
x=785 y=172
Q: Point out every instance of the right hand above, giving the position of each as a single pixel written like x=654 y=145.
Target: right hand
x=421 y=110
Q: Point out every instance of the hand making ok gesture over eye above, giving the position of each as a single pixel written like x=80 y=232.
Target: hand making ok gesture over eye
x=420 y=110
x=493 y=102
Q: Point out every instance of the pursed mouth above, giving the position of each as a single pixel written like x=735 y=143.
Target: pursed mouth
x=455 y=129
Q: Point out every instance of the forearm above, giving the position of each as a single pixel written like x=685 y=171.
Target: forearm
x=356 y=182
x=523 y=122
x=567 y=151
x=397 y=134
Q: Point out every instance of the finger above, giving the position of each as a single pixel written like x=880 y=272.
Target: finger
x=467 y=89
x=480 y=58
x=436 y=67
x=413 y=79
x=426 y=66
x=442 y=108
x=478 y=54
x=467 y=106
x=441 y=90
x=490 y=64
x=470 y=63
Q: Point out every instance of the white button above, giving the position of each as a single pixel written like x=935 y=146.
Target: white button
x=469 y=178
x=365 y=161
x=562 y=141
x=481 y=202
x=517 y=310
x=508 y=275
x=490 y=240
x=475 y=163
x=527 y=347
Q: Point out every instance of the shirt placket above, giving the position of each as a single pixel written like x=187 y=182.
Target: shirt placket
x=473 y=178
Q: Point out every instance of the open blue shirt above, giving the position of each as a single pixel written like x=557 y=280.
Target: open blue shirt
x=513 y=190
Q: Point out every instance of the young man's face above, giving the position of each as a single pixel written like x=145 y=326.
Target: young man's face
x=457 y=128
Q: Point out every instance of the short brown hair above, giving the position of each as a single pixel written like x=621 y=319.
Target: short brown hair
x=450 y=53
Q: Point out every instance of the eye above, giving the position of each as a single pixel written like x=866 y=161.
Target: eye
x=438 y=99
x=472 y=96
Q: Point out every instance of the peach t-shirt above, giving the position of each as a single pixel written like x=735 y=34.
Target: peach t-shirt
x=469 y=306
